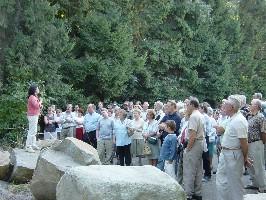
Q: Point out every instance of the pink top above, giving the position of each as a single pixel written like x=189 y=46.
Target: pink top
x=34 y=106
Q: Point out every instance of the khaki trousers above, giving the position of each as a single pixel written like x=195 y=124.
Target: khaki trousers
x=257 y=174
x=105 y=149
x=229 y=173
x=192 y=169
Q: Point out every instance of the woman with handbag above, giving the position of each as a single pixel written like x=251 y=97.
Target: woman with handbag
x=149 y=133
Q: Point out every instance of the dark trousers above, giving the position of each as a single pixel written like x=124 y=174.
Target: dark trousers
x=124 y=154
x=90 y=138
x=206 y=161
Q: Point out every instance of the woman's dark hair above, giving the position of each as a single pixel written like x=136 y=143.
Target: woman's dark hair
x=32 y=90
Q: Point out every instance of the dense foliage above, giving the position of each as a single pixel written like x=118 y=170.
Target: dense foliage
x=87 y=50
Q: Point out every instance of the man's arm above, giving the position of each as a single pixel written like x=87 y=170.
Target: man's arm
x=192 y=138
x=244 y=148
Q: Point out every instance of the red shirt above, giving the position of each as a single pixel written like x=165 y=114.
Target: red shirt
x=34 y=106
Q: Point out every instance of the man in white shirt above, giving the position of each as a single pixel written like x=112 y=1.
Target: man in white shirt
x=234 y=153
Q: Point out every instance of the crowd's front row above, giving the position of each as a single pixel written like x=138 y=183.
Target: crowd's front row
x=181 y=142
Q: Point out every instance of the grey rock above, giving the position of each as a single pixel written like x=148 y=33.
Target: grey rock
x=47 y=143
x=23 y=164
x=53 y=162
x=4 y=165
x=102 y=182
x=261 y=196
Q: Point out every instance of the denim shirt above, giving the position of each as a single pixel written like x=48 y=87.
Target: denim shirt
x=169 y=148
x=91 y=121
x=120 y=132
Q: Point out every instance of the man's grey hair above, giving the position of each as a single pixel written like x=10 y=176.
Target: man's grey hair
x=258 y=103
x=257 y=96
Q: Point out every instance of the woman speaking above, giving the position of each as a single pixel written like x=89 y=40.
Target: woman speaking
x=33 y=112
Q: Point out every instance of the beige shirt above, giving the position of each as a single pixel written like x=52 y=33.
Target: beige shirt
x=237 y=127
x=138 y=127
x=196 y=123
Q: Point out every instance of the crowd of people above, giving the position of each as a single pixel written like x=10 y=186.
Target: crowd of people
x=180 y=138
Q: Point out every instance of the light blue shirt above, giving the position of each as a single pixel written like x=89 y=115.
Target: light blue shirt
x=91 y=121
x=120 y=131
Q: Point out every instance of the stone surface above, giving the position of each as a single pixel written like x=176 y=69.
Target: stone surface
x=23 y=164
x=47 y=143
x=261 y=196
x=4 y=165
x=55 y=161
x=102 y=182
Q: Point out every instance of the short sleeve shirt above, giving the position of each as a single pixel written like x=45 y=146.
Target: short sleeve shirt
x=256 y=126
x=196 y=123
x=236 y=129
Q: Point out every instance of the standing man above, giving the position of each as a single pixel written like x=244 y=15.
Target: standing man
x=91 y=120
x=192 y=157
x=234 y=153
x=256 y=134
x=104 y=135
x=68 y=123
x=170 y=115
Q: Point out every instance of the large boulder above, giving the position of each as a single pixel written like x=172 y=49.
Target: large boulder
x=4 y=165
x=55 y=161
x=47 y=143
x=261 y=196
x=23 y=164
x=112 y=182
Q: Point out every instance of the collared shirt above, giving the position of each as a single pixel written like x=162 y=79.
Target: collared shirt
x=120 y=132
x=105 y=128
x=236 y=129
x=91 y=121
x=207 y=125
x=138 y=127
x=256 y=126
x=196 y=123
x=150 y=128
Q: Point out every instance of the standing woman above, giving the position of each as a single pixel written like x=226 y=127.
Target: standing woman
x=33 y=112
x=79 y=119
x=150 y=129
x=50 y=125
x=122 y=140
x=137 y=144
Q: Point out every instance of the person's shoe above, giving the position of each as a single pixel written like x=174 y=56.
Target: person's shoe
x=214 y=172
x=197 y=197
x=30 y=150
x=36 y=147
x=189 y=198
x=251 y=187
